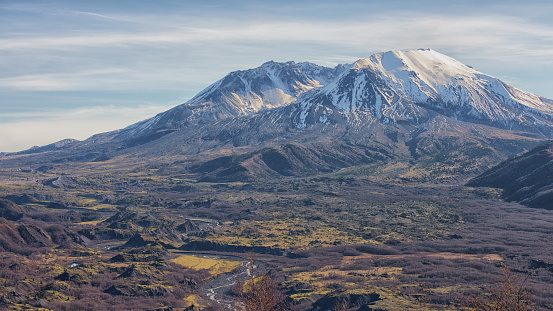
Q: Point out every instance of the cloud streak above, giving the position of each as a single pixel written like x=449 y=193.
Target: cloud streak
x=485 y=36
x=487 y=32
x=173 y=55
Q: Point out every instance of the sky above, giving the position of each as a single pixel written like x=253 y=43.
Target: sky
x=71 y=69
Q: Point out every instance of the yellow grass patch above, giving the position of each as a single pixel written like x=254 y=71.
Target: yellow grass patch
x=90 y=223
x=444 y=255
x=103 y=207
x=285 y=233
x=489 y=257
x=215 y=266
x=195 y=300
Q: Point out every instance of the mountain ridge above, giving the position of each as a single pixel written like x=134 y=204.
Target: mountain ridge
x=526 y=179
x=394 y=87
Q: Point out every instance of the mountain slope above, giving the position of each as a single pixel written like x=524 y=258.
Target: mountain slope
x=287 y=160
x=527 y=179
x=239 y=93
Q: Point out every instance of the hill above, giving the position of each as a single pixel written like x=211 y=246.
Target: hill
x=527 y=179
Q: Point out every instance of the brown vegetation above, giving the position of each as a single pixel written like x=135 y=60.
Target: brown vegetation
x=511 y=293
x=259 y=291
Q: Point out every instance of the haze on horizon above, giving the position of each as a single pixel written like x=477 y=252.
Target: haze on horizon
x=70 y=69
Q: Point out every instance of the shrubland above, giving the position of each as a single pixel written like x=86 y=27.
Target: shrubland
x=129 y=239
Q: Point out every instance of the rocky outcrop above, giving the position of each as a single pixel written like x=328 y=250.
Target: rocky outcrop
x=188 y=226
x=527 y=179
x=213 y=246
x=359 y=301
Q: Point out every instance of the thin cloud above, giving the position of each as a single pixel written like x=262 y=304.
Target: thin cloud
x=62 y=81
x=488 y=33
x=155 y=58
x=42 y=128
x=98 y=15
x=94 y=111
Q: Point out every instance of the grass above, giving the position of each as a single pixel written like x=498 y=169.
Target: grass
x=299 y=220
x=195 y=300
x=358 y=274
x=284 y=233
x=214 y=266
x=103 y=207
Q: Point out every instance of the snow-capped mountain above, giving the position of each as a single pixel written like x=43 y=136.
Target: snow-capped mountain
x=401 y=86
x=390 y=87
x=420 y=107
x=241 y=93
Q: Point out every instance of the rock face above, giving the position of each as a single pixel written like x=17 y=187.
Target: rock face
x=286 y=160
x=404 y=87
x=402 y=94
x=392 y=87
x=26 y=238
x=527 y=179
x=136 y=241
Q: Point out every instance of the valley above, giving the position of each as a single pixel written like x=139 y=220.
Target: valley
x=329 y=237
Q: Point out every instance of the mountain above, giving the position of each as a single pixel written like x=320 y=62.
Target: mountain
x=326 y=169
x=396 y=87
x=392 y=87
x=238 y=93
x=527 y=179
x=40 y=149
x=436 y=115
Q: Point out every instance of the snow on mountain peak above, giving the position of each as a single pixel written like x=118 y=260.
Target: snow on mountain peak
x=432 y=68
x=271 y=85
x=398 y=85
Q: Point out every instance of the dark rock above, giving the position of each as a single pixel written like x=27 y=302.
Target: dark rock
x=157 y=291
x=188 y=226
x=136 y=241
x=33 y=235
x=121 y=216
x=131 y=272
x=330 y=301
x=118 y=258
x=189 y=282
x=73 y=277
x=213 y=246
x=540 y=264
x=120 y=290
x=22 y=199
x=55 y=205
x=527 y=179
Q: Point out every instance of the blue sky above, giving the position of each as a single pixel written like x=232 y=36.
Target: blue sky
x=70 y=69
